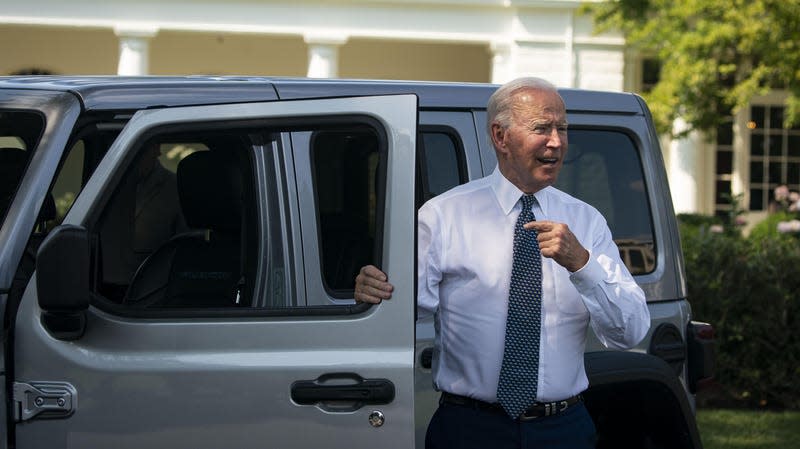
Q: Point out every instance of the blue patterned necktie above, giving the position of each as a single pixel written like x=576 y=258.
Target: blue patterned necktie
x=519 y=374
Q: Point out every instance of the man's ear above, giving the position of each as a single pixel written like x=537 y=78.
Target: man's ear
x=498 y=136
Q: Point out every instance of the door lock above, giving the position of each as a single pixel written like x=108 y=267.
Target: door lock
x=376 y=418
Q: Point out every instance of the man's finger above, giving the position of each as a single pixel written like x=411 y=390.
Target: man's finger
x=539 y=226
x=371 y=271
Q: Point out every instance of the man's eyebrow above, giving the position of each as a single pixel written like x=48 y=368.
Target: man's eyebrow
x=539 y=122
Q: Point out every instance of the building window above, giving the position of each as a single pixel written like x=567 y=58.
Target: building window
x=651 y=73
x=723 y=173
x=774 y=155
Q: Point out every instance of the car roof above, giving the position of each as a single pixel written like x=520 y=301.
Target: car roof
x=99 y=93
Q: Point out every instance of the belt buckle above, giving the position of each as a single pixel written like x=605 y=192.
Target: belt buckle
x=550 y=408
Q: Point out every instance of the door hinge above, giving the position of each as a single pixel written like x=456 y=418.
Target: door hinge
x=44 y=400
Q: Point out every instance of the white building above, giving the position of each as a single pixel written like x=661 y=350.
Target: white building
x=446 y=40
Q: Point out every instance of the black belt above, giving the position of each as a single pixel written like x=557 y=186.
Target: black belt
x=537 y=410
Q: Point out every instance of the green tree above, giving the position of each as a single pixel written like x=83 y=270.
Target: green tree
x=714 y=54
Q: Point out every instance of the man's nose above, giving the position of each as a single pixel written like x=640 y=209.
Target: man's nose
x=554 y=139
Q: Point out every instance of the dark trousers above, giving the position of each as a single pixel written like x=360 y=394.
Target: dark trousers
x=462 y=427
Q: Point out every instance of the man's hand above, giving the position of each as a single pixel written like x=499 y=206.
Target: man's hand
x=560 y=244
x=372 y=285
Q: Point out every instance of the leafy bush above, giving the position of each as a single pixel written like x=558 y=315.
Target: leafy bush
x=748 y=289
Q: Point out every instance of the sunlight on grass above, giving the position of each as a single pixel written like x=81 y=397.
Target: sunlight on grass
x=748 y=429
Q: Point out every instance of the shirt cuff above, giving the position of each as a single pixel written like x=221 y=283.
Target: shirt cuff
x=588 y=276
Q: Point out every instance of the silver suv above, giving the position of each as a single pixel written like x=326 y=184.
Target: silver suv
x=177 y=261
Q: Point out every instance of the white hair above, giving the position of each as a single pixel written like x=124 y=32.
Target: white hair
x=499 y=108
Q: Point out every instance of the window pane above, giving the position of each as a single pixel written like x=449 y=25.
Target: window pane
x=776 y=117
x=774 y=143
x=725 y=134
x=724 y=162
x=756 y=199
x=757 y=115
x=793 y=145
x=756 y=172
x=723 y=192
x=189 y=239
x=345 y=183
x=19 y=135
x=603 y=169
x=793 y=173
x=69 y=180
x=776 y=173
x=757 y=144
x=440 y=160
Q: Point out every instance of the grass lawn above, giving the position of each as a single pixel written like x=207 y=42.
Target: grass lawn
x=748 y=429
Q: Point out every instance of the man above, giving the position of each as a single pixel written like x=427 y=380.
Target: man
x=514 y=288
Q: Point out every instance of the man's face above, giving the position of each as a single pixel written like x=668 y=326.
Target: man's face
x=530 y=152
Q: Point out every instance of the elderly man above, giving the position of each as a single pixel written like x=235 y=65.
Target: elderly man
x=515 y=271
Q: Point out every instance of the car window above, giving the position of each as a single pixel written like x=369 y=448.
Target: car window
x=347 y=187
x=603 y=168
x=347 y=191
x=441 y=162
x=19 y=134
x=180 y=229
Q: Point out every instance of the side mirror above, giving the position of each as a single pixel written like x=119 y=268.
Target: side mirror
x=62 y=281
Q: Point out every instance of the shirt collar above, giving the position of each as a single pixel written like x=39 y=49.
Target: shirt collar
x=508 y=194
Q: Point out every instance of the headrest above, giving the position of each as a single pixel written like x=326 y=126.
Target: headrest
x=210 y=190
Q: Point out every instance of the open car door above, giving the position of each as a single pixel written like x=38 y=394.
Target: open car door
x=159 y=358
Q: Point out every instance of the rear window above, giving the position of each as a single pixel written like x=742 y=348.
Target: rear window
x=19 y=135
x=603 y=168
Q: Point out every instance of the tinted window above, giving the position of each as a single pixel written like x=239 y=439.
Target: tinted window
x=346 y=164
x=441 y=163
x=19 y=135
x=348 y=184
x=182 y=231
x=603 y=169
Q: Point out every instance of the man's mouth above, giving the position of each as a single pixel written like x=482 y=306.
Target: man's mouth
x=548 y=160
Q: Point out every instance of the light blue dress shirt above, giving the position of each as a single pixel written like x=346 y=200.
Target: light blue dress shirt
x=465 y=243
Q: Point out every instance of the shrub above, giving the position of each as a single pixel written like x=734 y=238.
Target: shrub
x=747 y=288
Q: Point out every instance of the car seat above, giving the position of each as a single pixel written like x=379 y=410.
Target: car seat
x=201 y=268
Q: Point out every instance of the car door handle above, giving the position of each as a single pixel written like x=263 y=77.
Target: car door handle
x=343 y=388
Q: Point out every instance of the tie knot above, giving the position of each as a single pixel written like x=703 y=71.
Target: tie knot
x=527 y=202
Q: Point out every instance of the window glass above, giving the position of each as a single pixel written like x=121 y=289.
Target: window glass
x=347 y=167
x=346 y=164
x=19 y=135
x=182 y=231
x=603 y=169
x=69 y=180
x=774 y=155
x=440 y=160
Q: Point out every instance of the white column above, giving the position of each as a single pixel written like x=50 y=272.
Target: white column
x=685 y=170
x=134 y=50
x=323 y=55
x=502 y=61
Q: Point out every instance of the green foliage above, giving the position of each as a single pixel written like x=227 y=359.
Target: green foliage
x=715 y=54
x=748 y=289
x=768 y=228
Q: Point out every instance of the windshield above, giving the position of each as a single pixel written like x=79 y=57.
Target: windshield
x=19 y=134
